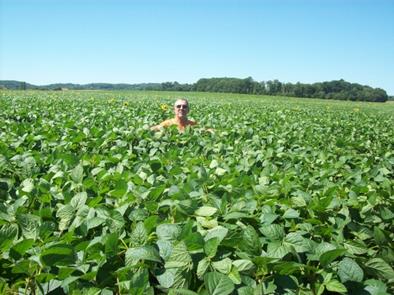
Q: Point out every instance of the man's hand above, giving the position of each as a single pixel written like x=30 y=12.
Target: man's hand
x=156 y=128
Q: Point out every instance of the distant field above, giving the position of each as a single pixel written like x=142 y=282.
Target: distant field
x=288 y=196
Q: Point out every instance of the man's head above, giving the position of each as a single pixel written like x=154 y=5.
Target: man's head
x=181 y=108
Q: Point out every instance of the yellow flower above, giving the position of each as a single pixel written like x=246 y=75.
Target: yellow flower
x=164 y=107
x=356 y=110
x=125 y=103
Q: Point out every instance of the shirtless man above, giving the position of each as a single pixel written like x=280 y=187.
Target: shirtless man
x=181 y=109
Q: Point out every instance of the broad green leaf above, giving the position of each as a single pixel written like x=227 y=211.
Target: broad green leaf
x=77 y=174
x=205 y=211
x=220 y=171
x=139 y=236
x=179 y=257
x=114 y=220
x=381 y=268
x=298 y=201
x=274 y=232
x=58 y=255
x=155 y=165
x=268 y=218
x=211 y=246
x=173 y=190
x=138 y=214
x=79 y=200
x=24 y=266
x=235 y=215
x=8 y=233
x=278 y=250
x=29 y=223
x=66 y=214
x=320 y=249
x=291 y=213
x=234 y=276
x=202 y=267
x=327 y=257
x=270 y=288
x=218 y=284
x=167 y=278
x=150 y=223
x=167 y=232
x=250 y=242
x=296 y=240
x=134 y=255
x=223 y=266
x=213 y=164
x=194 y=241
x=111 y=244
x=175 y=277
x=349 y=270
x=379 y=236
x=219 y=232
x=120 y=189
x=96 y=171
x=51 y=286
x=246 y=290
x=386 y=213
x=27 y=185
x=288 y=267
x=375 y=287
x=181 y=292
x=336 y=286
x=355 y=247
x=165 y=248
x=19 y=249
x=139 y=282
x=80 y=217
x=243 y=264
x=94 y=222
x=206 y=222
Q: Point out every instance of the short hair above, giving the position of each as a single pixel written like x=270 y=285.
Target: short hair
x=182 y=99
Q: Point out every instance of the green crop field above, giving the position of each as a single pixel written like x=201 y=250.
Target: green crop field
x=287 y=196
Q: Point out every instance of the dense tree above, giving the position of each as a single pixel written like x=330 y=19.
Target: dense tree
x=337 y=89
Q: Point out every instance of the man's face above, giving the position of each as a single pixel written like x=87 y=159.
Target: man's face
x=181 y=108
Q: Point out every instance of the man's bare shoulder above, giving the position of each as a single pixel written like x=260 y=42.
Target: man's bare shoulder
x=192 y=122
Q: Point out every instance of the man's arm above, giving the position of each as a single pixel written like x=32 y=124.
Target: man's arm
x=191 y=122
x=161 y=125
x=156 y=127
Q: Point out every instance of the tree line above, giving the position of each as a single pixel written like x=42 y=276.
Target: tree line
x=337 y=89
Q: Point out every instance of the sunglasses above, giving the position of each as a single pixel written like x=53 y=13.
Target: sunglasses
x=181 y=106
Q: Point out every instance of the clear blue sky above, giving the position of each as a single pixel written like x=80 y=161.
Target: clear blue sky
x=84 y=41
